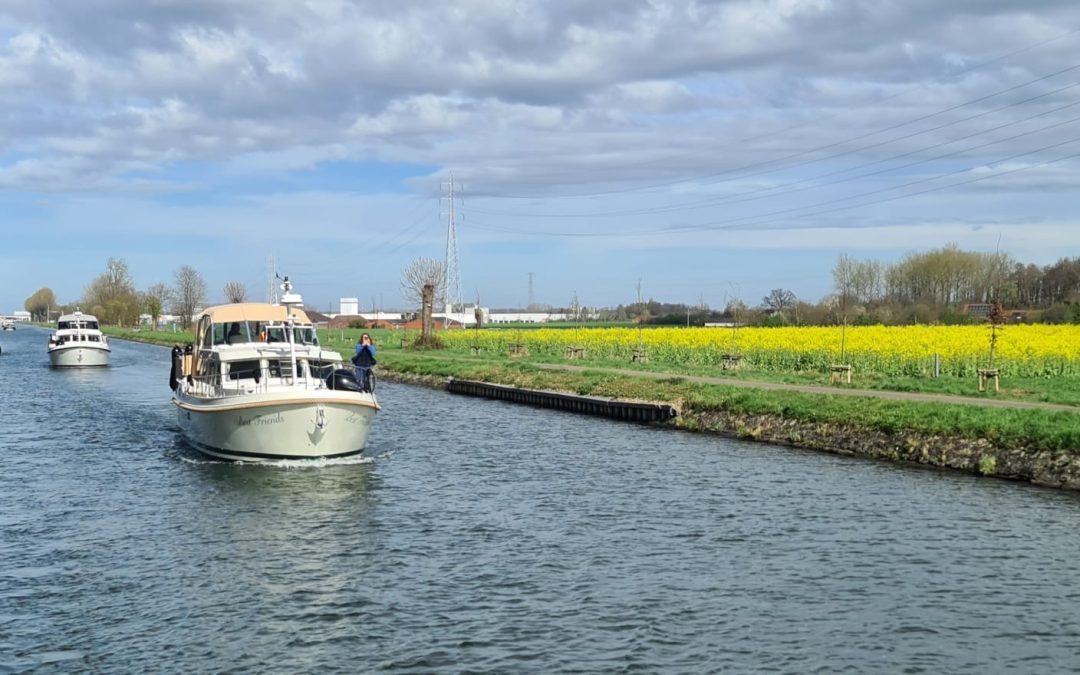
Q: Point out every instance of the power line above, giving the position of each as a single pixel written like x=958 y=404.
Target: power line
x=661 y=209
x=711 y=226
x=726 y=199
x=801 y=211
x=819 y=120
x=776 y=191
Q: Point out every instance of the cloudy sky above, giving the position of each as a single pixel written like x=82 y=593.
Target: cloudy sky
x=708 y=149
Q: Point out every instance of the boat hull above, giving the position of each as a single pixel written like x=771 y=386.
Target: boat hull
x=323 y=425
x=78 y=356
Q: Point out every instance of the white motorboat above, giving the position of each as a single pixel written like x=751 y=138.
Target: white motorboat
x=256 y=386
x=7 y=324
x=78 y=342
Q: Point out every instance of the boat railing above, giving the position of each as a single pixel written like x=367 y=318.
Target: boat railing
x=261 y=381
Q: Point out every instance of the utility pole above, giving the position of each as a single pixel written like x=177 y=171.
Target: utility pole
x=532 y=301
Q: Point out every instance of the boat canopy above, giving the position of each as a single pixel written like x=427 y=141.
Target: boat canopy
x=77 y=321
x=253 y=311
x=77 y=316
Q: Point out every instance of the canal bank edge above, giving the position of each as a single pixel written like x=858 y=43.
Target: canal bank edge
x=977 y=456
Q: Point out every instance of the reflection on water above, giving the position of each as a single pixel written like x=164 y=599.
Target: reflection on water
x=482 y=537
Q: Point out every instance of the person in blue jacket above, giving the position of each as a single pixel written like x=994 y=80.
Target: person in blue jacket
x=364 y=360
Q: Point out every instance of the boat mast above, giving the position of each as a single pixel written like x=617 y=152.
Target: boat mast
x=290 y=300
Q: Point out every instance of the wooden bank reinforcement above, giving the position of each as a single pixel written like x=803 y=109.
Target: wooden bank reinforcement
x=630 y=411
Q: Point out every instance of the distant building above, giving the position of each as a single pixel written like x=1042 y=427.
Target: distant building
x=350 y=306
x=437 y=322
x=978 y=309
x=318 y=318
x=527 y=317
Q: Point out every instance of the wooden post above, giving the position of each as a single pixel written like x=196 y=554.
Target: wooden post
x=840 y=372
x=987 y=374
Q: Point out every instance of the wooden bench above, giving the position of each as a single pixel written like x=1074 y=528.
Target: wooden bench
x=576 y=353
x=987 y=374
x=475 y=349
x=840 y=372
x=640 y=356
x=730 y=361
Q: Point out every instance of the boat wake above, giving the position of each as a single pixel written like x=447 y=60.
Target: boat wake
x=193 y=457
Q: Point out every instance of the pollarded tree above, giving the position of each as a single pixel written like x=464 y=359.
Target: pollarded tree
x=422 y=281
x=420 y=273
x=235 y=292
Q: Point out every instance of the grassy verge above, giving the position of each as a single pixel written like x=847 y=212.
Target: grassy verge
x=1063 y=390
x=1005 y=428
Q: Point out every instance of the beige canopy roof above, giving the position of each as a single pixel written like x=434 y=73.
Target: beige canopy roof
x=253 y=311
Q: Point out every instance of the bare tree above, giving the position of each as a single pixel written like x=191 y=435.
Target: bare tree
x=845 y=282
x=420 y=273
x=778 y=300
x=235 y=292
x=189 y=294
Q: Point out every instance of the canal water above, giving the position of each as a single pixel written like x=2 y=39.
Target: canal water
x=481 y=537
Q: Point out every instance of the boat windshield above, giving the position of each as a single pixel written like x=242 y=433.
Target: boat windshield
x=240 y=332
x=302 y=335
x=233 y=332
x=77 y=324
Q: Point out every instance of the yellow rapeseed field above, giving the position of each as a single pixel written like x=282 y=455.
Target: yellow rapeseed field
x=1025 y=350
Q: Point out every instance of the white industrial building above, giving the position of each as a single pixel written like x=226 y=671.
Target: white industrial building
x=466 y=317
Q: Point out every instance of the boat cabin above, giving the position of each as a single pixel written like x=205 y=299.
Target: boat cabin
x=76 y=322
x=245 y=345
x=77 y=327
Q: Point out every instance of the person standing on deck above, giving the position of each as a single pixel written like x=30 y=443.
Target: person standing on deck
x=364 y=360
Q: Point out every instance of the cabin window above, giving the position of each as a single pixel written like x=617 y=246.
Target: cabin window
x=305 y=336
x=244 y=370
x=283 y=367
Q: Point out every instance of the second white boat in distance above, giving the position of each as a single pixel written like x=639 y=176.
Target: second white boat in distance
x=256 y=386
x=78 y=342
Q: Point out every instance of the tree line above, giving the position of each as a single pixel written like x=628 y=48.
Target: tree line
x=113 y=298
x=936 y=286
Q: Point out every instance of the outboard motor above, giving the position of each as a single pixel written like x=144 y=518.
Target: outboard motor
x=343 y=379
x=177 y=367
